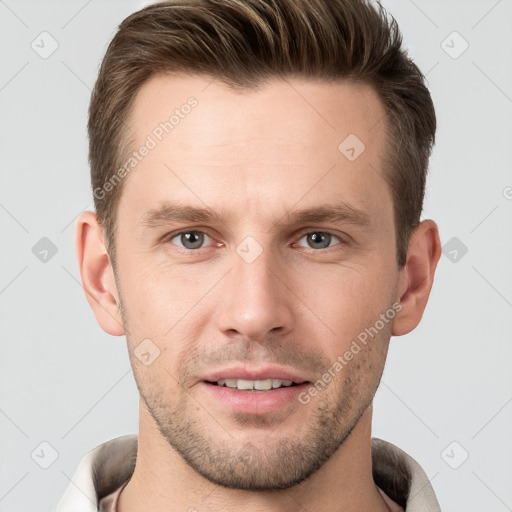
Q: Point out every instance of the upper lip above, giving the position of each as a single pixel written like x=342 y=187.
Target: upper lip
x=262 y=373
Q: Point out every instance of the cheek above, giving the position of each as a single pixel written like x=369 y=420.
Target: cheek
x=349 y=299
x=154 y=294
x=167 y=304
x=157 y=383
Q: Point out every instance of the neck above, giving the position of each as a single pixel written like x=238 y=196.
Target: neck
x=162 y=481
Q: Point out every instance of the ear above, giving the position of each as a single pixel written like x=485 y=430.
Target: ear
x=417 y=276
x=97 y=274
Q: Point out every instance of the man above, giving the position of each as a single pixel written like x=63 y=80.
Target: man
x=258 y=168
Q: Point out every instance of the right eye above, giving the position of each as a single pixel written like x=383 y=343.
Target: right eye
x=190 y=239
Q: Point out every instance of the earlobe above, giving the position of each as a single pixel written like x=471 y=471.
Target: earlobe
x=97 y=274
x=417 y=276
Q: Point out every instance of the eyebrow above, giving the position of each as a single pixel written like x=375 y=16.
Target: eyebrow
x=342 y=212
x=169 y=213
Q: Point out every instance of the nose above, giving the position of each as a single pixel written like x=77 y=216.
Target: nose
x=257 y=299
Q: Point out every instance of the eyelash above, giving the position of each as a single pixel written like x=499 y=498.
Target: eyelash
x=343 y=241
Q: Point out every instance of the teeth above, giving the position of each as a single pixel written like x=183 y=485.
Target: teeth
x=263 y=385
x=245 y=384
x=276 y=383
x=258 y=385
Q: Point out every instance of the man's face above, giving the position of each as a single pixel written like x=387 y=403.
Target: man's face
x=262 y=285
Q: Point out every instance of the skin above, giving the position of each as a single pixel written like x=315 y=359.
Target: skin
x=256 y=159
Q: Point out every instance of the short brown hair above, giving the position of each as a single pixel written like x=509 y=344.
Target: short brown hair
x=246 y=42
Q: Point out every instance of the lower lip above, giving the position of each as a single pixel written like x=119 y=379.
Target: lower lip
x=255 y=402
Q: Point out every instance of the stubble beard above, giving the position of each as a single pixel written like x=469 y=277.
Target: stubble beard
x=279 y=460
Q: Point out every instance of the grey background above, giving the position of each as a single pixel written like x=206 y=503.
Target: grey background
x=63 y=381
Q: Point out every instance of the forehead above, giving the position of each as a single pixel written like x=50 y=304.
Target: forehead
x=305 y=110
x=277 y=141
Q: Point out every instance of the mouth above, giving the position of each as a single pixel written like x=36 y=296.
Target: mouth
x=254 y=392
x=255 y=385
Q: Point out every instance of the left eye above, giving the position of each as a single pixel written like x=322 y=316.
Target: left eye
x=319 y=240
x=190 y=239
